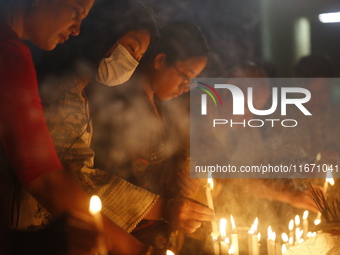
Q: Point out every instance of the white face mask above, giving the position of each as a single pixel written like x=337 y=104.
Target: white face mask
x=117 y=68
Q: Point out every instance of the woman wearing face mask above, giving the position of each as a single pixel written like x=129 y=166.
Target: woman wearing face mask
x=107 y=44
x=134 y=135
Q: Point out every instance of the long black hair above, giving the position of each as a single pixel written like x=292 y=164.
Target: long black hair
x=107 y=22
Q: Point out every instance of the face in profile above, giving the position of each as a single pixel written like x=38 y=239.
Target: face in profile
x=170 y=81
x=52 y=22
x=136 y=42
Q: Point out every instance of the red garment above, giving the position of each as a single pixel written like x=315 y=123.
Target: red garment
x=23 y=130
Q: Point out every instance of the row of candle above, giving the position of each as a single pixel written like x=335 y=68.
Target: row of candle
x=223 y=245
x=296 y=235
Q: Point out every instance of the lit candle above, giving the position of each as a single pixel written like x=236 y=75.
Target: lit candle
x=95 y=208
x=253 y=243
x=305 y=224
x=215 y=234
x=168 y=252
x=231 y=250
x=283 y=249
x=330 y=180
x=285 y=238
x=297 y=229
x=224 y=240
x=291 y=229
x=234 y=236
x=271 y=241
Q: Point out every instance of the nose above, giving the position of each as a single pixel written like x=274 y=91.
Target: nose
x=75 y=29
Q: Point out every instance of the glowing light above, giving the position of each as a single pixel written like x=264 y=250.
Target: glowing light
x=291 y=240
x=331 y=17
x=305 y=215
x=227 y=240
x=317 y=222
x=233 y=226
x=297 y=220
x=253 y=229
x=231 y=250
x=95 y=205
x=283 y=248
x=168 y=252
x=271 y=235
x=258 y=237
x=291 y=225
x=329 y=178
x=318 y=157
x=284 y=237
x=223 y=225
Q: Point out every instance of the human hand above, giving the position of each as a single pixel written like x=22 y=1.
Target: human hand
x=187 y=215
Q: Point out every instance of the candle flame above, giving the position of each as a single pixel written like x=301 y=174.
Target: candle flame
x=210 y=181
x=314 y=234
x=284 y=237
x=258 y=237
x=298 y=233
x=317 y=222
x=309 y=234
x=284 y=248
x=297 y=220
x=95 y=205
x=223 y=226
x=305 y=215
x=233 y=226
x=291 y=225
x=291 y=240
x=271 y=234
x=329 y=178
x=256 y=223
x=227 y=240
x=231 y=250
x=318 y=157
x=168 y=252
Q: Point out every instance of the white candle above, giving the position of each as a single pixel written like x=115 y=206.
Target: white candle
x=329 y=180
x=234 y=236
x=305 y=224
x=253 y=244
x=223 y=232
x=271 y=241
x=208 y=191
x=95 y=208
x=215 y=234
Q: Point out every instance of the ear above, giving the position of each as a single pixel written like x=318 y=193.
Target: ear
x=159 y=61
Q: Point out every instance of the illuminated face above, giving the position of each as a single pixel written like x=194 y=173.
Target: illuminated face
x=168 y=81
x=136 y=43
x=51 y=22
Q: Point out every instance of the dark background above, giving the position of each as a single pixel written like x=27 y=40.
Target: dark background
x=240 y=30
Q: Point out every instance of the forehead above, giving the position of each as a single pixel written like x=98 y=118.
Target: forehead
x=87 y=4
x=137 y=35
x=192 y=65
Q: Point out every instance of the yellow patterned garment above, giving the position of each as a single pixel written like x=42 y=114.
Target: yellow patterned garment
x=66 y=111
